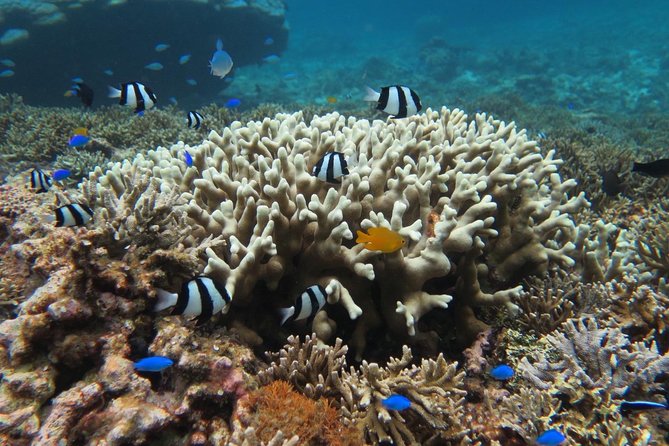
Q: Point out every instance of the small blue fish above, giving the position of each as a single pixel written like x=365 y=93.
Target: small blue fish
x=154 y=66
x=78 y=140
x=396 y=402
x=541 y=135
x=628 y=406
x=271 y=58
x=268 y=41
x=109 y=72
x=77 y=80
x=161 y=47
x=8 y=62
x=290 y=75
x=551 y=437
x=6 y=73
x=173 y=100
x=189 y=159
x=502 y=372
x=232 y=103
x=153 y=364
x=191 y=81
x=60 y=174
x=570 y=106
x=184 y=59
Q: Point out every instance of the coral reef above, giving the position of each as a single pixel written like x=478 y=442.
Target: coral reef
x=434 y=387
x=286 y=230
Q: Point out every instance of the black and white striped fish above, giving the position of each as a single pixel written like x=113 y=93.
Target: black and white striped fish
x=39 y=181
x=74 y=214
x=306 y=305
x=136 y=95
x=331 y=167
x=194 y=119
x=398 y=101
x=200 y=296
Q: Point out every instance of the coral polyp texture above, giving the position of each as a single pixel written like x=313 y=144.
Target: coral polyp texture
x=477 y=203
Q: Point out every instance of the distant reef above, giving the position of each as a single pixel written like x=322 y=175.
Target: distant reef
x=108 y=42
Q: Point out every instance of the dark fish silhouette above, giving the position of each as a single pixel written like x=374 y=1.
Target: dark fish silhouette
x=612 y=185
x=658 y=168
x=84 y=93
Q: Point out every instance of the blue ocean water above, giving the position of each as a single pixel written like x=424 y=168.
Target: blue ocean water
x=609 y=56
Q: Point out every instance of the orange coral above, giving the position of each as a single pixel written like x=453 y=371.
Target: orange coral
x=279 y=407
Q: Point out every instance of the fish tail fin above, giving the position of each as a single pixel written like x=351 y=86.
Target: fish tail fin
x=362 y=237
x=165 y=299
x=47 y=218
x=371 y=95
x=286 y=313
x=635 y=167
x=113 y=92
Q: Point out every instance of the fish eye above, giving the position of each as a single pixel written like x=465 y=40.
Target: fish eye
x=403 y=241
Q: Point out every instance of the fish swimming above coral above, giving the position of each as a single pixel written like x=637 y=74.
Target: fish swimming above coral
x=306 y=305
x=61 y=174
x=39 y=181
x=331 y=167
x=83 y=92
x=134 y=94
x=612 y=184
x=502 y=372
x=194 y=119
x=153 y=364
x=200 y=296
x=381 y=239
x=398 y=101
x=551 y=437
x=657 y=169
x=188 y=158
x=396 y=402
x=221 y=62
x=74 y=214
x=631 y=406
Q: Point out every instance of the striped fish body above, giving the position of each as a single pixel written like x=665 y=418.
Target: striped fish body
x=397 y=100
x=331 y=167
x=200 y=297
x=194 y=119
x=39 y=181
x=306 y=305
x=74 y=214
x=136 y=95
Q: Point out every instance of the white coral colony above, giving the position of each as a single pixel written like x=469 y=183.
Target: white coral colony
x=475 y=191
x=221 y=62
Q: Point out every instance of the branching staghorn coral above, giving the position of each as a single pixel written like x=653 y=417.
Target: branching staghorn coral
x=497 y=206
x=549 y=302
x=594 y=359
x=654 y=248
x=434 y=387
x=638 y=310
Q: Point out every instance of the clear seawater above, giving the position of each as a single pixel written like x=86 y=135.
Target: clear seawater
x=597 y=55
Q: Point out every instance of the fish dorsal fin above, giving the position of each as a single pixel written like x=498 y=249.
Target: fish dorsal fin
x=219 y=44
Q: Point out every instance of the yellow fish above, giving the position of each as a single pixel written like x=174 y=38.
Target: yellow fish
x=331 y=99
x=83 y=131
x=380 y=239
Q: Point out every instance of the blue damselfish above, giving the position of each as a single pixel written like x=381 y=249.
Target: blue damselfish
x=502 y=372
x=153 y=364
x=396 y=402
x=551 y=437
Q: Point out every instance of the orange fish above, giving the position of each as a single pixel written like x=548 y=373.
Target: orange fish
x=380 y=239
x=331 y=99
